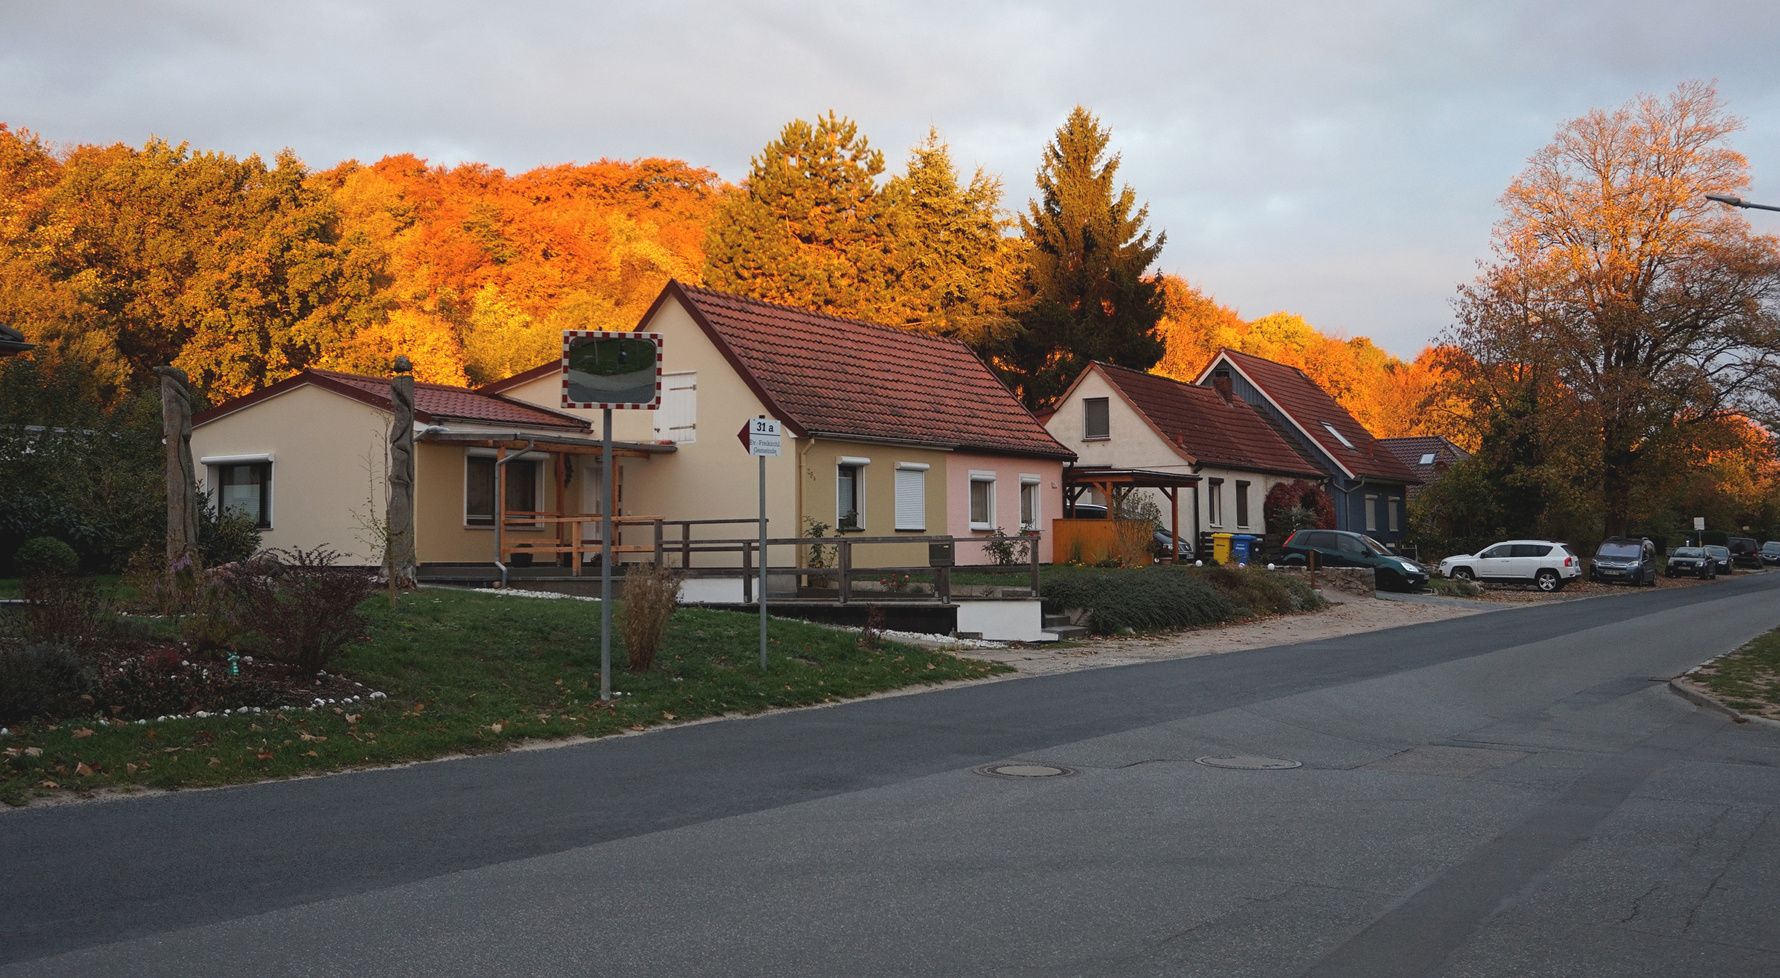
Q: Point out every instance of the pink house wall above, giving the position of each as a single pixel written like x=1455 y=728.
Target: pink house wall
x=1008 y=473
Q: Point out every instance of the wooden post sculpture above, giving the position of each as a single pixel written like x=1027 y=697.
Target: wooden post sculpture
x=400 y=545
x=182 y=479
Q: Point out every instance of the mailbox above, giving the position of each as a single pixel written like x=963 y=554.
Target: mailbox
x=939 y=555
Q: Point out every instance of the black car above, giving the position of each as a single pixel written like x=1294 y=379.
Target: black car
x=1691 y=561
x=1722 y=555
x=1770 y=553
x=1623 y=560
x=1339 y=548
x=1744 y=552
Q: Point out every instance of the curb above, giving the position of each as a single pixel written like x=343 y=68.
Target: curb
x=1700 y=699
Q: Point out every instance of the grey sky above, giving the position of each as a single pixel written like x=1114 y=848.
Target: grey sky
x=1340 y=161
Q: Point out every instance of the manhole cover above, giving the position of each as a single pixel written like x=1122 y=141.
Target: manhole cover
x=1025 y=771
x=1247 y=762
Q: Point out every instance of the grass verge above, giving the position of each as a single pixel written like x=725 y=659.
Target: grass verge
x=1748 y=679
x=469 y=673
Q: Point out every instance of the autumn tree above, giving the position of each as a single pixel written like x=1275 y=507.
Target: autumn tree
x=806 y=229
x=1089 y=294
x=1619 y=292
x=1194 y=328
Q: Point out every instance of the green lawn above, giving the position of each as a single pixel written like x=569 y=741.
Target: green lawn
x=1749 y=678
x=468 y=672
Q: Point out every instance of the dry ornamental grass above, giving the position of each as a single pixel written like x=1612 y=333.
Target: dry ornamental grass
x=650 y=593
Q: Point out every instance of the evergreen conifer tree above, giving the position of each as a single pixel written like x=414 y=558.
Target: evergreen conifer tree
x=1087 y=253
x=807 y=228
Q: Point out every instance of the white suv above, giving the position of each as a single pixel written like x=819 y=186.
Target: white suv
x=1542 y=562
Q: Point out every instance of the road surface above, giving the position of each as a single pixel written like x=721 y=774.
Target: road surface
x=1511 y=793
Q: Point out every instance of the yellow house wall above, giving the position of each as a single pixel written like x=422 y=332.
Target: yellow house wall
x=820 y=466
x=441 y=535
x=710 y=477
x=329 y=457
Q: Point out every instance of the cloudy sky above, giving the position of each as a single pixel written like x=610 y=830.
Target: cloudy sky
x=1340 y=161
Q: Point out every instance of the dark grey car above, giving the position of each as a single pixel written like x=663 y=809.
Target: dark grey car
x=1625 y=561
x=1693 y=562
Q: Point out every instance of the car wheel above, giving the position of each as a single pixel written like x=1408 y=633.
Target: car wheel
x=1295 y=560
x=1463 y=574
x=1548 y=581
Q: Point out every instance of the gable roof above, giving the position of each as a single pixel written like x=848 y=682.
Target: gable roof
x=433 y=403
x=1313 y=412
x=1411 y=450
x=1203 y=426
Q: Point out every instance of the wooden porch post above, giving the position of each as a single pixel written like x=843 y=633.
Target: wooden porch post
x=1174 y=522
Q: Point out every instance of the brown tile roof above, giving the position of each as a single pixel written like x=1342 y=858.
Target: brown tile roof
x=1411 y=450
x=1208 y=428
x=433 y=403
x=1311 y=408
x=851 y=379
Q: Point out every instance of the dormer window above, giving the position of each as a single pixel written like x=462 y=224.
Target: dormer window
x=1338 y=435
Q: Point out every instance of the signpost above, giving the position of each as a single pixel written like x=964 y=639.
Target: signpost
x=1699 y=527
x=761 y=436
x=608 y=371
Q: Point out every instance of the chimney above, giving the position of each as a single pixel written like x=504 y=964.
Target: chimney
x=1221 y=381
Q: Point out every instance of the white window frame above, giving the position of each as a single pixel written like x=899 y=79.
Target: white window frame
x=1086 y=434
x=213 y=480
x=1371 y=513
x=850 y=462
x=1034 y=483
x=1338 y=435
x=1243 y=509
x=534 y=459
x=916 y=521
x=1390 y=506
x=1214 y=502
x=686 y=434
x=987 y=478
x=1427 y=458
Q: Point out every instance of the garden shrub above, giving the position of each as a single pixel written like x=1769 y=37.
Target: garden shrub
x=650 y=593
x=306 y=607
x=45 y=555
x=225 y=537
x=41 y=679
x=1255 y=591
x=66 y=611
x=1138 y=598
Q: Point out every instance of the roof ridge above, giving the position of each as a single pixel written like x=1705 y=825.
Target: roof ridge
x=697 y=290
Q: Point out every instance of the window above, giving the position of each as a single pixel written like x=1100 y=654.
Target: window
x=1371 y=514
x=1029 y=501
x=982 y=500
x=1096 y=422
x=1531 y=550
x=1242 y=504
x=1338 y=435
x=1493 y=553
x=911 y=496
x=1391 y=505
x=246 y=489
x=1214 y=502
x=1348 y=544
x=677 y=418
x=522 y=488
x=849 y=494
x=1427 y=458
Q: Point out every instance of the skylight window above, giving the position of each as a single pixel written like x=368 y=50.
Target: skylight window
x=1427 y=458
x=1338 y=435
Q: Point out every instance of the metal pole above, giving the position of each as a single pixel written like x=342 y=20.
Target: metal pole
x=606 y=561
x=763 y=561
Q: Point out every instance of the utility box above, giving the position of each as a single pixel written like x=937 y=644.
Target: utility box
x=940 y=555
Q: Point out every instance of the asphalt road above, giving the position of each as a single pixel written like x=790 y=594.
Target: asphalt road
x=1511 y=793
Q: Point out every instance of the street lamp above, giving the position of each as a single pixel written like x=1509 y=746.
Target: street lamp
x=1735 y=201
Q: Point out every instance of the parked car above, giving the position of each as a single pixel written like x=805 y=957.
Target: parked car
x=1340 y=548
x=1723 y=556
x=1621 y=559
x=1542 y=563
x=1744 y=552
x=1692 y=561
x=1770 y=553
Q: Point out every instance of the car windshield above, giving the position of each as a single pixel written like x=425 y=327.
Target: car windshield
x=1689 y=552
x=1629 y=551
x=1718 y=551
x=1771 y=547
x=1375 y=546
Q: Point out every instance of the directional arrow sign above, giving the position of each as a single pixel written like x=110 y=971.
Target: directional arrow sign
x=760 y=436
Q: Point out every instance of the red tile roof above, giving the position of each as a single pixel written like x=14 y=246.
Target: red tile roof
x=1208 y=428
x=845 y=378
x=1311 y=408
x=433 y=403
x=1411 y=450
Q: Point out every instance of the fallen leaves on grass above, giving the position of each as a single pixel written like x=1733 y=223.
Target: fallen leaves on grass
x=83 y=733
x=84 y=770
